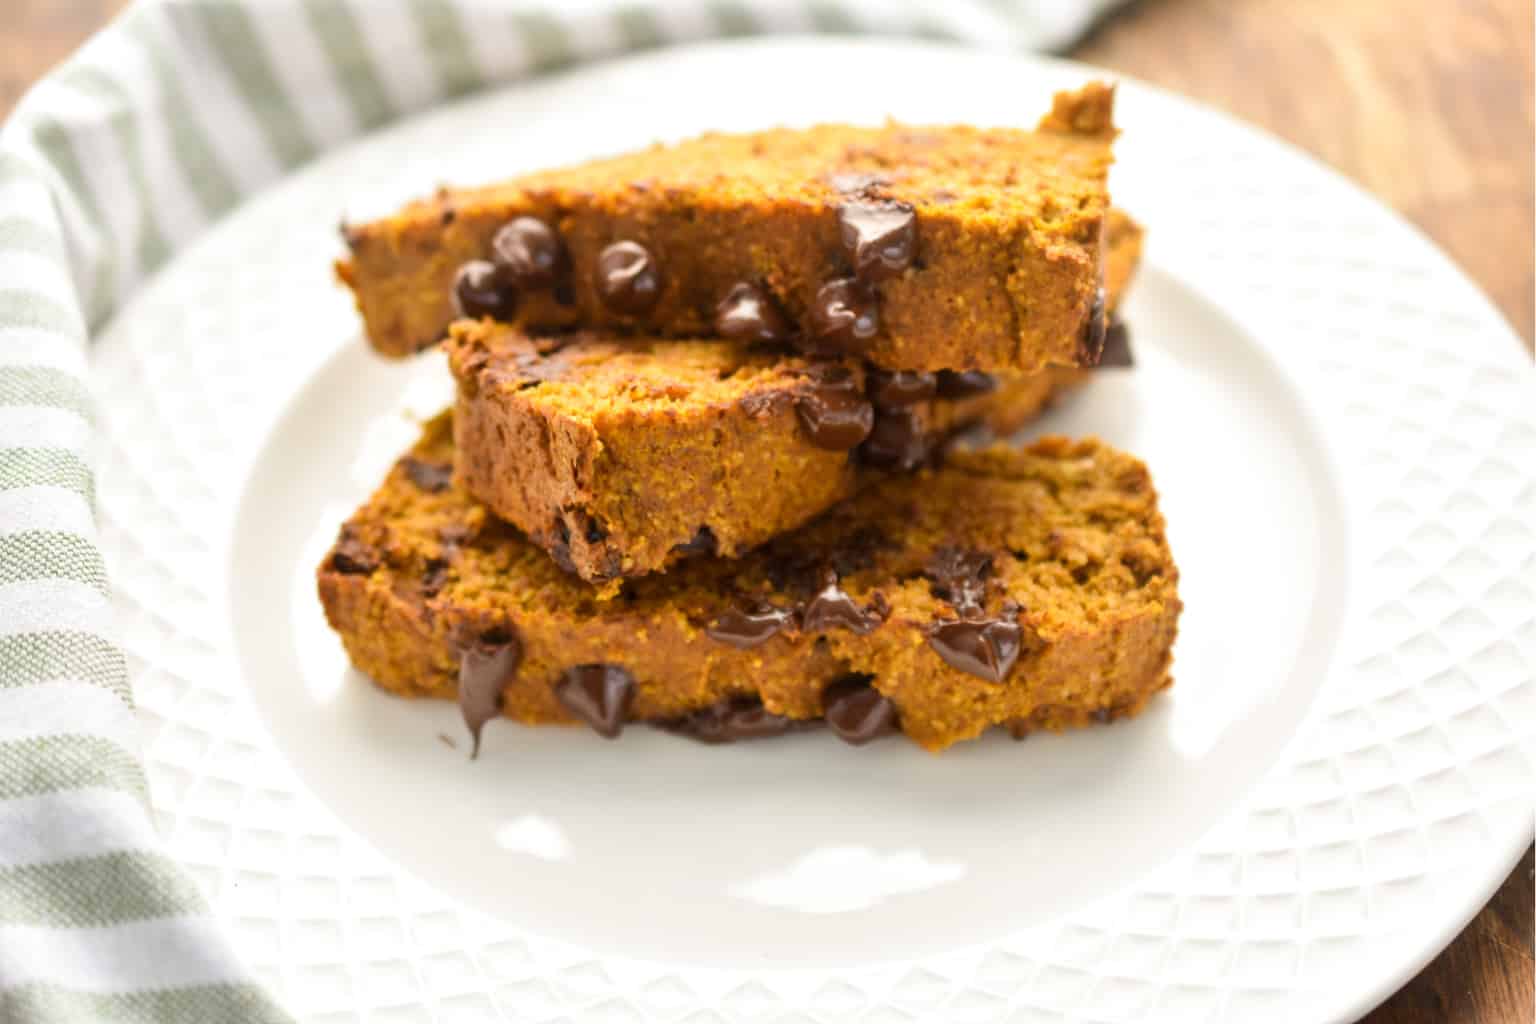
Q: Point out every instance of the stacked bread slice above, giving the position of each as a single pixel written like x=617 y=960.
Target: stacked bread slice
x=713 y=460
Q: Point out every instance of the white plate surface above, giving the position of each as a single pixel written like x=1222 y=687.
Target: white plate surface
x=1337 y=781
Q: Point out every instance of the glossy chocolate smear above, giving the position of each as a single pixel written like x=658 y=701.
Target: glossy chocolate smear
x=1090 y=346
x=879 y=236
x=479 y=292
x=486 y=665
x=599 y=695
x=833 y=410
x=960 y=577
x=831 y=608
x=965 y=384
x=748 y=313
x=890 y=390
x=845 y=316
x=628 y=278
x=432 y=477
x=529 y=254
x=898 y=440
x=746 y=628
x=731 y=719
x=858 y=712
x=986 y=648
x=1117 y=346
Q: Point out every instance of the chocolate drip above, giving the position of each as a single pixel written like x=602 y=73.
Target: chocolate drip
x=487 y=664
x=858 y=712
x=599 y=695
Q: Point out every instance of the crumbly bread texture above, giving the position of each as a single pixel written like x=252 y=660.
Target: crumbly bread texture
x=620 y=456
x=1027 y=589
x=982 y=246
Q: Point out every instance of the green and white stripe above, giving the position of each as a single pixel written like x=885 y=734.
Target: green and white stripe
x=108 y=168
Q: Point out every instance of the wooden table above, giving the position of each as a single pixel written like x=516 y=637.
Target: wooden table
x=1427 y=103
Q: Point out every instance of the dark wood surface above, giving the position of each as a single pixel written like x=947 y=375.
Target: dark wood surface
x=1427 y=103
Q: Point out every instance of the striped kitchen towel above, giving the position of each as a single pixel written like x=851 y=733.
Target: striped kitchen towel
x=111 y=165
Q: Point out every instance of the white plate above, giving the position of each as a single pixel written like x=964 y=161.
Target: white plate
x=1338 y=780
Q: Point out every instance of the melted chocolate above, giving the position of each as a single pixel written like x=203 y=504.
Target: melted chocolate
x=486 y=665
x=628 y=278
x=731 y=719
x=845 y=316
x=748 y=313
x=858 y=712
x=1117 y=346
x=898 y=441
x=904 y=387
x=529 y=254
x=832 y=608
x=986 y=648
x=879 y=237
x=599 y=695
x=478 y=292
x=960 y=577
x=432 y=477
x=833 y=412
x=747 y=629
x=1090 y=345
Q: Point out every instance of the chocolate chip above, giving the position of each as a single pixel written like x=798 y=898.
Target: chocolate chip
x=965 y=384
x=858 y=712
x=1090 y=345
x=703 y=542
x=1103 y=716
x=351 y=556
x=565 y=295
x=448 y=216
x=432 y=477
x=599 y=695
x=983 y=647
x=898 y=441
x=628 y=278
x=1019 y=728
x=833 y=410
x=731 y=719
x=1117 y=346
x=749 y=628
x=880 y=238
x=831 y=608
x=959 y=577
x=487 y=664
x=844 y=317
x=903 y=387
x=748 y=313
x=529 y=254
x=478 y=292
